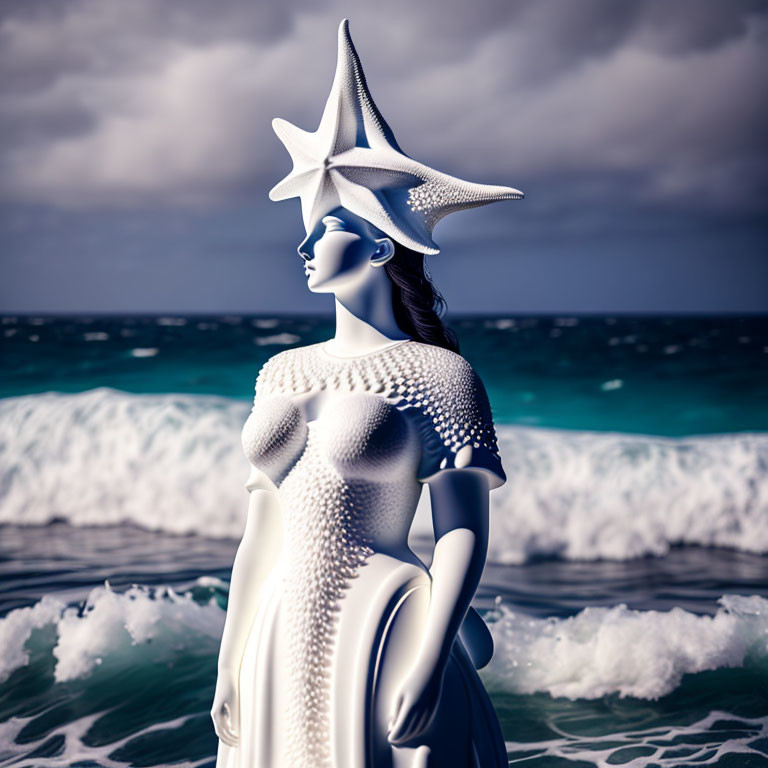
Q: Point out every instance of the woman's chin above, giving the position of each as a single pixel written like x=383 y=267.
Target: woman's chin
x=321 y=285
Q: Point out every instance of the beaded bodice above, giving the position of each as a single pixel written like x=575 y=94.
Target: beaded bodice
x=434 y=389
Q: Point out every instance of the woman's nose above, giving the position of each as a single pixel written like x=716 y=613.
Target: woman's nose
x=305 y=249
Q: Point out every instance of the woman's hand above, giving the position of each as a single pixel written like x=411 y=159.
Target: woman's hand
x=415 y=702
x=226 y=709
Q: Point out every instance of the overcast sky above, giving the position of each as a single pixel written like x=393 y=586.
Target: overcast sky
x=137 y=150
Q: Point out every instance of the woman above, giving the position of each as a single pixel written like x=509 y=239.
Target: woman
x=340 y=647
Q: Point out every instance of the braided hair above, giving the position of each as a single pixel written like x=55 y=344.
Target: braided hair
x=417 y=304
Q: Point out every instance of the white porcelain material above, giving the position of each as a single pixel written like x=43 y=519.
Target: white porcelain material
x=341 y=649
x=345 y=445
x=353 y=160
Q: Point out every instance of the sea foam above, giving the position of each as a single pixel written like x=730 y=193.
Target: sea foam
x=588 y=655
x=590 y=495
x=174 y=463
x=643 y=654
x=139 y=626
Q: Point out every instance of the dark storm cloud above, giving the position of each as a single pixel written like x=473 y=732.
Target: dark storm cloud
x=136 y=140
x=114 y=101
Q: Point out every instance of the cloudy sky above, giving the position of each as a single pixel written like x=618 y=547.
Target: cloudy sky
x=137 y=151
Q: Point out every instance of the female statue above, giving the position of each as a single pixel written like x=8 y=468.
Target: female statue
x=341 y=649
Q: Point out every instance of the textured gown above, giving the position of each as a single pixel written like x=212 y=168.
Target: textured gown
x=347 y=443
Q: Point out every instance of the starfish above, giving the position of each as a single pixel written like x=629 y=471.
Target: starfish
x=353 y=160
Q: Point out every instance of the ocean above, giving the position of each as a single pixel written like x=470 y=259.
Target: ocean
x=627 y=581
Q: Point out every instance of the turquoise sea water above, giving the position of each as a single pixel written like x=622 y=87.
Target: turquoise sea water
x=627 y=581
x=654 y=375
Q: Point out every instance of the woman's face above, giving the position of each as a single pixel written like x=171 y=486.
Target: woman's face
x=341 y=252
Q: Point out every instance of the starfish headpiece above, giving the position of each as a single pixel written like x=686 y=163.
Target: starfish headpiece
x=352 y=160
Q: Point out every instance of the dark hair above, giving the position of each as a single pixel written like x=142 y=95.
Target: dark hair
x=417 y=304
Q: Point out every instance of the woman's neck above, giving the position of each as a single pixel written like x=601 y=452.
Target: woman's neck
x=365 y=320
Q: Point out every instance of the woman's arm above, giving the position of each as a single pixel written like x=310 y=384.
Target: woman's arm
x=460 y=516
x=255 y=558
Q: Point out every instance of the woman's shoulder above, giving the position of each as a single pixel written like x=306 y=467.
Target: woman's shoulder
x=459 y=427
x=280 y=368
x=440 y=382
x=446 y=365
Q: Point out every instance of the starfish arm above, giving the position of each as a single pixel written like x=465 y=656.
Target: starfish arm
x=366 y=204
x=334 y=132
x=301 y=145
x=293 y=185
x=381 y=167
x=372 y=125
x=318 y=201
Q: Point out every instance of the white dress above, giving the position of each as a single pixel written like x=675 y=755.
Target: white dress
x=347 y=444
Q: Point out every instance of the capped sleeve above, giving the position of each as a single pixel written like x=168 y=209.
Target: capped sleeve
x=458 y=429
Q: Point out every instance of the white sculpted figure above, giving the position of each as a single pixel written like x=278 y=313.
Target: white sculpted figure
x=341 y=649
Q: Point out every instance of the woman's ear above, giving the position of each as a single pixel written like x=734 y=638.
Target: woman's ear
x=385 y=250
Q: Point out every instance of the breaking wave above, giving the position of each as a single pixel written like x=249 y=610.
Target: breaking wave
x=584 y=656
x=174 y=463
